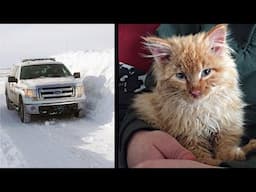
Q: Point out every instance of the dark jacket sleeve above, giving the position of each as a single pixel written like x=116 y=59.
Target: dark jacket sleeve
x=130 y=123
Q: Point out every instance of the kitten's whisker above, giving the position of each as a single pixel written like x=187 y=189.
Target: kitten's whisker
x=173 y=93
x=155 y=55
x=146 y=44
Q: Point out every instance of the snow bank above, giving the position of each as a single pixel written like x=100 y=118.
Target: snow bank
x=97 y=72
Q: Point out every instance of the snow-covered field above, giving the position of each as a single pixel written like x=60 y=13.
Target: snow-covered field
x=66 y=142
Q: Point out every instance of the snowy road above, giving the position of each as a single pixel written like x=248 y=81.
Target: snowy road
x=65 y=142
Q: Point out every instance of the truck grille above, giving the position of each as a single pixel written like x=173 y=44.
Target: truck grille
x=56 y=92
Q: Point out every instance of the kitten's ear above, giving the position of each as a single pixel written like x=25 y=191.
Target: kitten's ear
x=159 y=48
x=217 y=36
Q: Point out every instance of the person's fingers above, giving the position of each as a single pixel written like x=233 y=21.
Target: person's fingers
x=172 y=163
x=185 y=154
x=170 y=147
x=140 y=148
x=153 y=145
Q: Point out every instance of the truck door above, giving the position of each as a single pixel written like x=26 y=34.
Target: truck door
x=16 y=86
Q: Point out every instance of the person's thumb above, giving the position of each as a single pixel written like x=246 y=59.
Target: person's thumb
x=170 y=147
x=183 y=153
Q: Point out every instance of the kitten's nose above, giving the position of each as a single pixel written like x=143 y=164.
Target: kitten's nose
x=195 y=92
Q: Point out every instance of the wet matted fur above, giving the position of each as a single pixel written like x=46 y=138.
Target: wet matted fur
x=197 y=98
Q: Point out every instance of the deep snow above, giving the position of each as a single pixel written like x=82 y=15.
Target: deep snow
x=66 y=141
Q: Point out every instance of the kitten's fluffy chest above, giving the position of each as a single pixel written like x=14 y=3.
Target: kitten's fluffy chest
x=193 y=121
x=197 y=119
x=201 y=118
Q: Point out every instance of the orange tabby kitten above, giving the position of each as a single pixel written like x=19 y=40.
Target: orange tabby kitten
x=197 y=98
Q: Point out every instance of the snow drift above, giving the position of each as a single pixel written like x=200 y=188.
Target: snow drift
x=97 y=72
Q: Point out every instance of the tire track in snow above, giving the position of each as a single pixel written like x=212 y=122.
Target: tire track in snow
x=10 y=157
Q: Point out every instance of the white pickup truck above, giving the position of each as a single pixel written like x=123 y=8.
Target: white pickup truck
x=44 y=86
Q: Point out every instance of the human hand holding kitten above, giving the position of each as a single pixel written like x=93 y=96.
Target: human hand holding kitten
x=157 y=149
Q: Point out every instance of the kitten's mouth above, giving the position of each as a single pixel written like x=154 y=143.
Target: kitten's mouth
x=195 y=94
x=195 y=98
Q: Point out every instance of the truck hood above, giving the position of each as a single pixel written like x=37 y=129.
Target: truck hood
x=39 y=82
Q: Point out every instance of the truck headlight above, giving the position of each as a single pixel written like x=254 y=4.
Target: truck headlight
x=79 y=91
x=30 y=93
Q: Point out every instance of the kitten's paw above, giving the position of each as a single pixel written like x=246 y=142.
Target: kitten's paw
x=249 y=146
x=230 y=154
x=236 y=154
x=214 y=162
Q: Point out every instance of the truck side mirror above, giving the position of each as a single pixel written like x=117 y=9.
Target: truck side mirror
x=76 y=75
x=12 y=79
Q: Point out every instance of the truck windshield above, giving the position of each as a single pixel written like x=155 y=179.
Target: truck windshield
x=44 y=70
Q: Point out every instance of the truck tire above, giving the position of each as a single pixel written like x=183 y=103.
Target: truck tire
x=24 y=116
x=8 y=103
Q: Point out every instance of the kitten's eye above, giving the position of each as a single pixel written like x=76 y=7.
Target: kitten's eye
x=180 y=75
x=206 y=72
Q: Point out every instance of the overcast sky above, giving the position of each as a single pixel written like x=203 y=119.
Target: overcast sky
x=19 y=41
